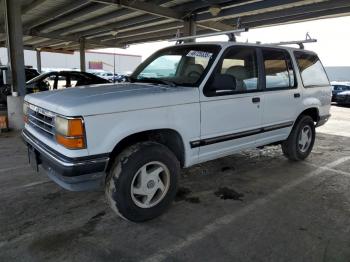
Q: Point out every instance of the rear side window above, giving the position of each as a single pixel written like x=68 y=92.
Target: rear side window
x=278 y=69
x=311 y=70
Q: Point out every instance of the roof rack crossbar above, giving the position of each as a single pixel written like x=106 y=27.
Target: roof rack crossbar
x=301 y=43
x=230 y=33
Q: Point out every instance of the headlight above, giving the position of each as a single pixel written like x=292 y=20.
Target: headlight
x=70 y=132
x=61 y=125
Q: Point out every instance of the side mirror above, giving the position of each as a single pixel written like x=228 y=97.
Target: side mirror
x=223 y=82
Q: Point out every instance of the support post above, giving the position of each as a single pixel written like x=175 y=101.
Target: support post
x=38 y=60
x=82 y=55
x=14 y=42
x=14 y=37
x=190 y=28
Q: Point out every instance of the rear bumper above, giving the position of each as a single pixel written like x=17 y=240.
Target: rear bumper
x=323 y=120
x=75 y=174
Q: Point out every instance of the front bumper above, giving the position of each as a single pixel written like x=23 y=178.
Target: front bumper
x=75 y=174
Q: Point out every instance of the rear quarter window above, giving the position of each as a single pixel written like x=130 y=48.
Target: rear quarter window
x=311 y=70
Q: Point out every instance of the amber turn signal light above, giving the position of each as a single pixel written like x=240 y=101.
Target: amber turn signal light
x=71 y=142
x=70 y=132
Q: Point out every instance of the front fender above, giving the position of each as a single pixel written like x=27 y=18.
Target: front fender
x=104 y=132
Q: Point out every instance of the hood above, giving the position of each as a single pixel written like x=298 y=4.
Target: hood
x=111 y=98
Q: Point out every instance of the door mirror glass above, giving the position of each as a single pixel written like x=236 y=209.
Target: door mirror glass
x=223 y=83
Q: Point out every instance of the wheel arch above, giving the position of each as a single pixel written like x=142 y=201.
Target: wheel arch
x=168 y=137
x=313 y=112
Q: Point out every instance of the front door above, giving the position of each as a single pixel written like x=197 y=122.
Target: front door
x=230 y=105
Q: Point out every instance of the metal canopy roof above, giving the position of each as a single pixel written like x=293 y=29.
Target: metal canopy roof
x=58 y=25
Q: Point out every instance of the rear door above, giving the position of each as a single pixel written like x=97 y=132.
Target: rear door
x=281 y=96
x=231 y=118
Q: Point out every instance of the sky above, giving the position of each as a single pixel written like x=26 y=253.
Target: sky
x=332 y=34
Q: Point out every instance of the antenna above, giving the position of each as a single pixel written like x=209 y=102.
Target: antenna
x=301 y=43
x=229 y=33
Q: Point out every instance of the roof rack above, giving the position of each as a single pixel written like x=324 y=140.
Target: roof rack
x=301 y=43
x=231 y=34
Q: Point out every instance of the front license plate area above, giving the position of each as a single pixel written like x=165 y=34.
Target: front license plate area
x=33 y=159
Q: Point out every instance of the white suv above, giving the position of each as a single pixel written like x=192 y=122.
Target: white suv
x=184 y=105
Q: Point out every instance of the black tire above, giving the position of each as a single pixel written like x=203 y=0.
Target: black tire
x=122 y=174
x=291 y=148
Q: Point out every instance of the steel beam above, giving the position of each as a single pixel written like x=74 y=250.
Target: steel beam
x=45 y=43
x=159 y=38
x=94 y=21
x=240 y=11
x=146 y=7
x=38 y=60
x=32 y=6
x=51 y=25
x=144 y=20
x=190 y=28
x=302 y=17
x=56 y=13
x=173 y=14
x=142 y=31
x=82 y=55
x=293 y=11
x=15 y=45
x=171 y=32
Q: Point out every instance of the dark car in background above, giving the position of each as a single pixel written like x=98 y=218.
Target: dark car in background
x=62 y=79
x=339 y=88
x=5 y=87
x=343 y=98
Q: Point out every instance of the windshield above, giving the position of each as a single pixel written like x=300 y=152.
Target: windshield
x=178 y=65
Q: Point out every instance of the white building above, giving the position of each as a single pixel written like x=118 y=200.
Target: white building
x=124 y=63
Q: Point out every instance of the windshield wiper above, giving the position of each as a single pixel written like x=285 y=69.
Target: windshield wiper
x=157 y=81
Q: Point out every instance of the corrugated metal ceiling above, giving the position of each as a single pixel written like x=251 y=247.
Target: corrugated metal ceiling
x=59 y=24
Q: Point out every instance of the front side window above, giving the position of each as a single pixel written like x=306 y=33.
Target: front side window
x=279 y=72
x=311 y=70
x=178 y=65
x=237 y=72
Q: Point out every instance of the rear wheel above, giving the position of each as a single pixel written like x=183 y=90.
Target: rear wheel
x=301 y=140
x=142 y=182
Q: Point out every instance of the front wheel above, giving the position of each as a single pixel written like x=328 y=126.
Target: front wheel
x=142 y=182
x=301 y=140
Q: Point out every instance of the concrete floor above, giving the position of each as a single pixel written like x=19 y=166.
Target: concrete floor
x=275 y=210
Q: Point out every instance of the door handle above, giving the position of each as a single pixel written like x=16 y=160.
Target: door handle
x=296 y=95
x=256 y=100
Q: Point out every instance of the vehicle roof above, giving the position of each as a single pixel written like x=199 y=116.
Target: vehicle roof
x=5 y=67
x=230 y=43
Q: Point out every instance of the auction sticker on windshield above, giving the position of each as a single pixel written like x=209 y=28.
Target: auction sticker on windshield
x=194 y=53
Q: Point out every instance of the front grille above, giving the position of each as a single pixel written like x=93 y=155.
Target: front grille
x=42 y=120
